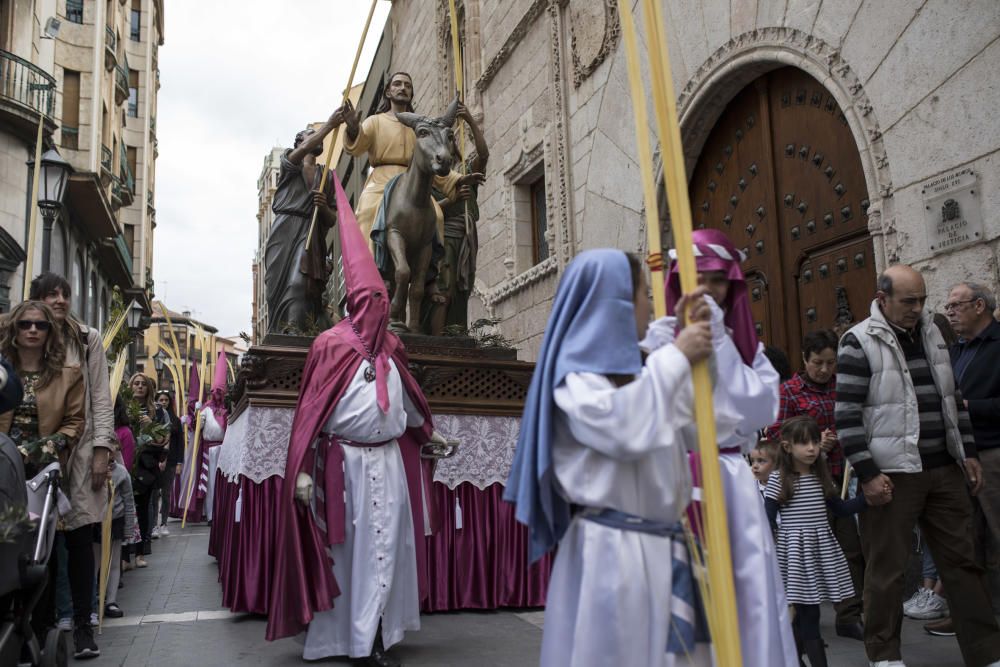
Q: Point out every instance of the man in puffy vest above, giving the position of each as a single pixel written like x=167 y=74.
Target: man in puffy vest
x=906 y=432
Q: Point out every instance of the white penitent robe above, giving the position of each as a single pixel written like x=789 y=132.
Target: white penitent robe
x=211 y=432
x=376 y=566
x=618 y=447
x=745 y=399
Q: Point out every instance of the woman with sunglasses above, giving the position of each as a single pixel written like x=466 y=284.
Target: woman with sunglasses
x=53 y=405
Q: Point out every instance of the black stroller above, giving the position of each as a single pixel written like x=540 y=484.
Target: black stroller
x=24 y=561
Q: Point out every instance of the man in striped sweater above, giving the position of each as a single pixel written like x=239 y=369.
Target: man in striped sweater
x=906 y=432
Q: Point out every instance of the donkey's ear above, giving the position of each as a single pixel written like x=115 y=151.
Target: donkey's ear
x=449 y=115
x=408 y=119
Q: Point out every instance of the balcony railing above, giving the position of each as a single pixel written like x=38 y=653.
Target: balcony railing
x=110 y=48
x=124 y=251
x=157 y=78
x=121 y=84
x=116 y=193
x=25 y=84
x=149 y=199
x=106 y=159
x=152 y=125
x=70 y=137
x=127 y=179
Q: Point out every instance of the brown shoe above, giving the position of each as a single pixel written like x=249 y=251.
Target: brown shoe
x=944 y=627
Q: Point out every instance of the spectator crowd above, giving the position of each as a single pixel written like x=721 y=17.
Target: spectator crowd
x=116 y=452
x=902 y=412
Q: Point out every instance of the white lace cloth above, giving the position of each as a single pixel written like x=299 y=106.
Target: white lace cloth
x=256 y=446
x=485 y=452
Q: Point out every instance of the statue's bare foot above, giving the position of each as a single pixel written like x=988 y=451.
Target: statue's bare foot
x=397 y=327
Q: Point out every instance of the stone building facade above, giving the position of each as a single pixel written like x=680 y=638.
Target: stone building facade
x=829 y=139
x=94 y=74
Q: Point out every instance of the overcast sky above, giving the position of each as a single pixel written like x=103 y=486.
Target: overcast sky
x=238 y=77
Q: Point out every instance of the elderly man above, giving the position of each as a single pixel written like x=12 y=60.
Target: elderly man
x=907 y=434
x=976 y=362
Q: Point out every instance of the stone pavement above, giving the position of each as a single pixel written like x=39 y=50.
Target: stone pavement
x=174 y=618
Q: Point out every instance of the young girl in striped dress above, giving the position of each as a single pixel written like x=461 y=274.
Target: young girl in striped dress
x=812 y=563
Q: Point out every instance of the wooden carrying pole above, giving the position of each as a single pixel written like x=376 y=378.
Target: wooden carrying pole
x=336 y=130
x=33 y=217
x=721 y=606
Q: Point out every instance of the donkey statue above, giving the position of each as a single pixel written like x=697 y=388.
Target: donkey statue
x=411 y=214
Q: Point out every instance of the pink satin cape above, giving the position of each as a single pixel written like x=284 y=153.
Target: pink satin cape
x=303 y=582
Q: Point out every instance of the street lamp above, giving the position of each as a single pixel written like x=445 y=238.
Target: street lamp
x=52 y=182
x=133 y=320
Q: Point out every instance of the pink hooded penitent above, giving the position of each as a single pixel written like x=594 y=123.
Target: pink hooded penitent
x=715 y=252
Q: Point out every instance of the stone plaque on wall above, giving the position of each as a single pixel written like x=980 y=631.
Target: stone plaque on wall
x=953 y=213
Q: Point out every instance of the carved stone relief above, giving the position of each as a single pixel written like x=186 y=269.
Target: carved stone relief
x=593 y=28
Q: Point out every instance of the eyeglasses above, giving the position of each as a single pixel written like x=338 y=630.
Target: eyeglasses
x=955 y=304
x=40 y=325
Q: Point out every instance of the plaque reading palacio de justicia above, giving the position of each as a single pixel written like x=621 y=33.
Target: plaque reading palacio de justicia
x=952 y=210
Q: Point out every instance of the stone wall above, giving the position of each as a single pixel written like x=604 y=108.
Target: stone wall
x=919 y=83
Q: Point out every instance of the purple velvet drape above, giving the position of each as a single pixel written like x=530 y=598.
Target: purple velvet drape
x=483 y=565
x=245 y=550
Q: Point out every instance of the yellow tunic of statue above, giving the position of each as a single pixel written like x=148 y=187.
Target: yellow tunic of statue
x=390 y=146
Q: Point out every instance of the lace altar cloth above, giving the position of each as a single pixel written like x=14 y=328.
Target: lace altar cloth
x=256 y=446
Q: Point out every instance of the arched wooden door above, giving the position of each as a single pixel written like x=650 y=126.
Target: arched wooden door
x=780 y=173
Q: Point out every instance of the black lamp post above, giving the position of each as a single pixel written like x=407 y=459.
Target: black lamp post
x=51 y=188
x=133 y=320
x=158 y=365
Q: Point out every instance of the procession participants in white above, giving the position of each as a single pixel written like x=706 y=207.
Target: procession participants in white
x=376 y=566
x=618 y=448
x=211 y=432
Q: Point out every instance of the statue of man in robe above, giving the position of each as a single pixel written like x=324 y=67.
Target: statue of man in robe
x=390 y=145
x=294 y=277
x=456 y=275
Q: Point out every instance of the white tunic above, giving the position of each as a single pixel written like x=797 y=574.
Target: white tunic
x=376 y=566
x=211 y=431
x=745 y=399
x=618 y=447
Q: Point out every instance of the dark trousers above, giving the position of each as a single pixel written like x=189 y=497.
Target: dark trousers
x=80 y=567
x=142 y=515
x=939 y=500
x=166 y=486
x=806 y=623
x=845 y=529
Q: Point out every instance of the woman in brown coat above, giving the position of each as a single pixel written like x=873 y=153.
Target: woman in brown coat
x=53 y=405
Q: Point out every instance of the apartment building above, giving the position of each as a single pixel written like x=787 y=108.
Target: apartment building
x=89 y=67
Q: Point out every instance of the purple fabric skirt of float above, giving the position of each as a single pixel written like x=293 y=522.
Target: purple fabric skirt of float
x=245 y=549
x=478 y=559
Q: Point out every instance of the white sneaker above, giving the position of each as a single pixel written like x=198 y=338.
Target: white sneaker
x=155 y=534
x=93 y=619
x=65 y=624
x=934 y=607
x=887 y=663
x=916 y=601
x=164 y=532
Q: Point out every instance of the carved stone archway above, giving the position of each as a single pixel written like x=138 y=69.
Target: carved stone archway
x=754 y=53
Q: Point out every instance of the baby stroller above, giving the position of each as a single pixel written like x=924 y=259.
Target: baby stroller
x=24 y=562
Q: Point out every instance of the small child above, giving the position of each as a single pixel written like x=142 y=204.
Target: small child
x=763 y=460
x=812 y=563
x=122 y=521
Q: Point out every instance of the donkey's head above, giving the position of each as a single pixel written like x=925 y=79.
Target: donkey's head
x=435 y=140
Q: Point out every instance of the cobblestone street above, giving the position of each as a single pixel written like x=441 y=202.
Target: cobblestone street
x=174 y=618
